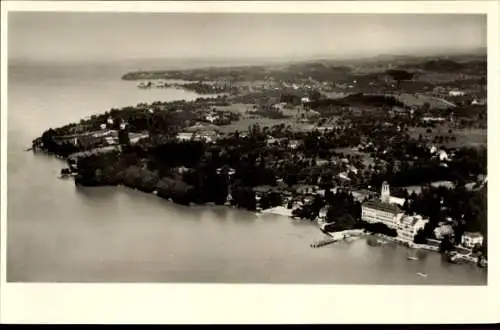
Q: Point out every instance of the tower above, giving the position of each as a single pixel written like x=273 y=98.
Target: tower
x=385 y=193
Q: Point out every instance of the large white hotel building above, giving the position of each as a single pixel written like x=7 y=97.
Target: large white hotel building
x=387 y=211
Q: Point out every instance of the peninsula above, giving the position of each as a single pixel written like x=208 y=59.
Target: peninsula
x=315 y=140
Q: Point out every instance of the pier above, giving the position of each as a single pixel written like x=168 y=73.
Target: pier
x=323 y=242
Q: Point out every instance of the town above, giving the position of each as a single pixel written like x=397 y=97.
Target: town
x=394 y=147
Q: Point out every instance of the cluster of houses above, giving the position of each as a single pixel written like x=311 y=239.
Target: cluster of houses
x=473 y=96
x=206 y=133
x=387 y=210
x=104 y=137
x=215 y=116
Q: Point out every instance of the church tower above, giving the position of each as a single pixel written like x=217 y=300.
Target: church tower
x=385 y=193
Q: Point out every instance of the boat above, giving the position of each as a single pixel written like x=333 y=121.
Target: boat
x=422 y=274
x=66 y=173
x=412 y=256
x=144 y=84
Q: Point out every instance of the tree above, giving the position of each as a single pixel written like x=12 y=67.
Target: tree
x=399 y=75
x=446 y=244
x=123 y=137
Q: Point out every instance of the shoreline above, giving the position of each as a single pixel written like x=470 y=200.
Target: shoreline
x=337 y=236
x=145 y=168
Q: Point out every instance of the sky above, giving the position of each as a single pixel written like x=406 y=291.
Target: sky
x=72 y=36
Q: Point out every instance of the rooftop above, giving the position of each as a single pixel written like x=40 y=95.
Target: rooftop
x=381 y=206
x=412 y=220
x=472 y=235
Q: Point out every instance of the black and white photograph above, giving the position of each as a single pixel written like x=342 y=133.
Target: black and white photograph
x=246 y=148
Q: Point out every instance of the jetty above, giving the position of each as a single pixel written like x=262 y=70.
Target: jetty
x=459 y=258
x=323 y=242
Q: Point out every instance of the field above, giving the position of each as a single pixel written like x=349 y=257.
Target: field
x=419 y=100
x=242 y=125
x=239 y=108
x=470 y=137
x=367 y=159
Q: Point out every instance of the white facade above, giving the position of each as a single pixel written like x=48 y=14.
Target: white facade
x=409 y=226
x=456 y=93
x=443 y=155
x=211 y=118
x=444 y=230
x=185 y=136
x=470 y=240
x=293 y=144
x=111 y=140
x=373 y=214
x=323 y=212
x=396 y=200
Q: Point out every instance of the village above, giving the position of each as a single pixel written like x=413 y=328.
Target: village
x=307 y=149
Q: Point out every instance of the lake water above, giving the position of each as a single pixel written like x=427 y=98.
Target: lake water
x=60 y=233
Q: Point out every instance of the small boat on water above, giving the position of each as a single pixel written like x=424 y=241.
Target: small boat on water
x=424 y=275
x=66 y=173
x=144 y=84
x=412 y=256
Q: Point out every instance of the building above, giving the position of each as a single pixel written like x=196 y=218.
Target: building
x=470 y=239
x=443 y=230
x=443 y=156
x=389 y=213
x=361 y=195
x=323 y=213
x=374 y=211
x=409 y=226
x=305 y=189
x=397 y=200
x=478 y=102
x=184 y=136
x=445 y=184
x=271 y=140
x=206 y=136
x=382 y=210
x=433 y=119
x=211 y=117
x=294 y=144
x=456 y=93
x=136 y=137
